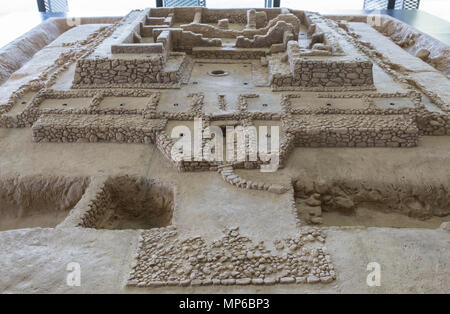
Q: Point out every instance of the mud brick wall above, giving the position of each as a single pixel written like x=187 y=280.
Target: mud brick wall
x=211 y=31
x=95 y=128
x=120 y=71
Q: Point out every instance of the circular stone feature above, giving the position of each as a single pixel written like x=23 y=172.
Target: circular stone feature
x=218 y=73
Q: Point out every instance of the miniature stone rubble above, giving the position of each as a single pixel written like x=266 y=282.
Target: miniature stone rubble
x=232 y=260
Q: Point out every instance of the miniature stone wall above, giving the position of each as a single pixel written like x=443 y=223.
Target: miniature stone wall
x=368 y=126
x=367 y=104
x=151 y=23
x=144 y=66
x=136 y=73
x=97 y=207
x=106 y=71
x=185 y=40
x=229 y=53
x=312 y=73
x=93 y=128
x=33 y=111
x=350 y=127
x=131 y=43
x=237 y=16
x=138 y=48
x=211 y=31
x=321 y=34
x=302 y=127
x=353 y=131
x=274 y=35
x=432 y=123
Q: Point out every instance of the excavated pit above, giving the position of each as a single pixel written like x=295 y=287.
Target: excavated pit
x=132 y=203
x=36 y=201
x=347 y=203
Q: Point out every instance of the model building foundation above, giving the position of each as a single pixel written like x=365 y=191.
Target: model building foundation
x=95 y=170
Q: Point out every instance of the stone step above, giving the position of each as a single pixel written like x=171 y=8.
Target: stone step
x=229 y=176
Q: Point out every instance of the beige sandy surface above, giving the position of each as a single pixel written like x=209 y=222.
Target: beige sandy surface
x=413 y=260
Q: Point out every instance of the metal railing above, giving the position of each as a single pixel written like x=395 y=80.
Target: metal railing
x=391 y=4
x=181 y=3
x=53 y=6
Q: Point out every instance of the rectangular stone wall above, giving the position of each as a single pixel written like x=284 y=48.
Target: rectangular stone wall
x=333 y=72
x=354 y=131
x=96 y=128
x=122 y=71
x=231 y=53
x=138 y=48
x=307 y=73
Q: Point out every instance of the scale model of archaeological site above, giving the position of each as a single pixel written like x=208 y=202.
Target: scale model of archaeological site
x=97 y=193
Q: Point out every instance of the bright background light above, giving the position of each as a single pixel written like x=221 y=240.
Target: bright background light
x=19 y=16
x=439 y=8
